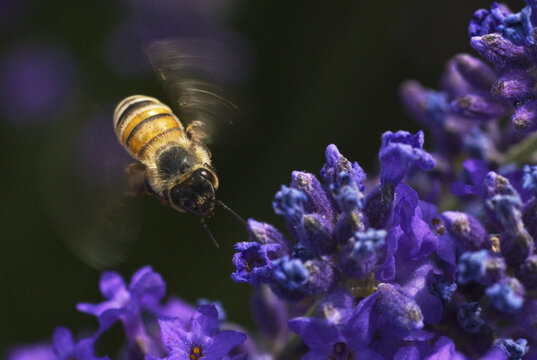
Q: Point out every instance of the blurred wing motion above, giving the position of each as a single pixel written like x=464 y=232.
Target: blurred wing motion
x=199 y=78
x=84 y=189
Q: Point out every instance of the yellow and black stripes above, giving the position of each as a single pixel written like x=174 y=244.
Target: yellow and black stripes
x=142 y=122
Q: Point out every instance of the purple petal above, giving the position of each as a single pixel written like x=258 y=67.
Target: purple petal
x=446 y=250
x=407 y=353
x=360 y=327
x=386 y=271
x=62 y=341
x=205 y=320
x=175 y=308
x=443 y=349
x=223 y=342
x=419 y=335
x=318 y=201
x=112 y=284
x=178 y=355
x=147 y=286
x=313 y=355
x=31 y=352
x=109 y=317
x=84 y=350
x=399 y=153
x=173 y=334
x=497 y=354
x=151 y=357
x=316 y=333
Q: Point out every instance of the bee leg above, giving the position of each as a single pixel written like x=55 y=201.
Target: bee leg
x=198 y=131
x=138 y=184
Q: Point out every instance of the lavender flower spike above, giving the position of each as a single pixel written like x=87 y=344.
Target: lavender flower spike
x=399 y=153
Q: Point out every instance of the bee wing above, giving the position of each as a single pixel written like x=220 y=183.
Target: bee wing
x=84 y=191
x=200 y=78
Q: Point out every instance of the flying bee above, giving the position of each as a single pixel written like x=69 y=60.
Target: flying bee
x=177 y=166
x=173 y=162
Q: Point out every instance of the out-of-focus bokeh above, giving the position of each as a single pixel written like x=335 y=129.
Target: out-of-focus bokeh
x=314 y=73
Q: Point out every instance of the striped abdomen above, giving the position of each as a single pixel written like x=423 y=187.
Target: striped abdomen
x=142 y=122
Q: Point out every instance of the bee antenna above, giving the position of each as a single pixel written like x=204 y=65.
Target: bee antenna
x=235 y=215
x=208 y=232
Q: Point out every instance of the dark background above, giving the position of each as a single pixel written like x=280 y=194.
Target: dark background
x=320 y=73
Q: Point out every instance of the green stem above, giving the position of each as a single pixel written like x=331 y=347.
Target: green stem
x=523 y=152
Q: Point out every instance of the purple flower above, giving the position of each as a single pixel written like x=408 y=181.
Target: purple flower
x=345 y=338
x=468 y=317
x=253 y=262
x=475 y=171
x=525 y=116
x=65 y=348
x=36 y=81
x=31 y=352
x=443 y=290
x=527 y=272
x=360 y=254
x=199 y=339
x=318 y=201
x=444 y=348
x=478 y=107
x=399 y=153
x=399 y=309
x=478 y=74
x=264 y=233
x=502 y=53
x=517 y=27
x=337 y=163
x=515 y=350
x=290 y=277
x=516 y=84
x=346 y=193
x=486 y=22
x=530 y=178
x=481 y=266
x=467 y=231
x=290 y=203
x=145 y=291
x=507 y=295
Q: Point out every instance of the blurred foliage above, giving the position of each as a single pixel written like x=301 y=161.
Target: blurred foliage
x=320 y=73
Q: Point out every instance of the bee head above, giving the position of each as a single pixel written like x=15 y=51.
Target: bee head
x=196 y=194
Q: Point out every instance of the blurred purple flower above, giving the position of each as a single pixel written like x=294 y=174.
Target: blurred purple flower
x=126 y=304
x=31 y=352
x=37 y=82
x=65 y=348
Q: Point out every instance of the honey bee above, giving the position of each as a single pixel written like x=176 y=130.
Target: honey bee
x=173 y=162
x=177 y=165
